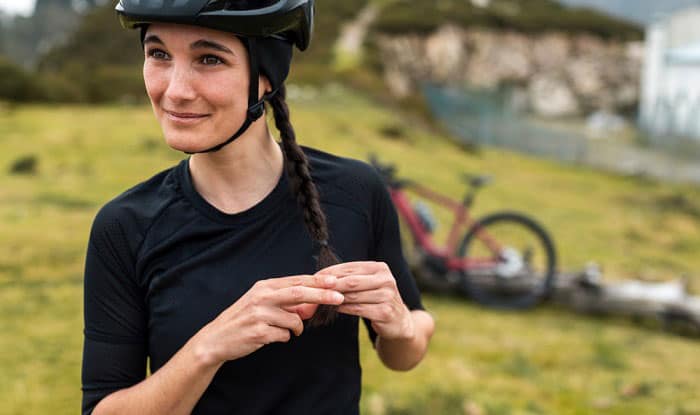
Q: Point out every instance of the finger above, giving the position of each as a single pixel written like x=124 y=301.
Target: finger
x=374 y=312
x=263 y=333
x=316 y=281
x=300 y=295
x=368 y=297
x=352 y=309
x=277 y=335
x=286 y=320
x=355 y=267
x=364 y=282
x=305 y=311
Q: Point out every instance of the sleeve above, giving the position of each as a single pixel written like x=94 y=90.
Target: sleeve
x=115 y=336
x=387 y=248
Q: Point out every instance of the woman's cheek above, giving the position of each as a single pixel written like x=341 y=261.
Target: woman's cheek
x=155 y=82
x=224 y=90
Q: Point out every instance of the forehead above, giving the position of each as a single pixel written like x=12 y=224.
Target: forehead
x=171 y=32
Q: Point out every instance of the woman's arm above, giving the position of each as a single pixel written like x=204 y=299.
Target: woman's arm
x=371 y=292
x=269 y=312
x=405 y=354
x=173 y=389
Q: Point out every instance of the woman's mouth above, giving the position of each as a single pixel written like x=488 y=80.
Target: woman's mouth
x=185 y=118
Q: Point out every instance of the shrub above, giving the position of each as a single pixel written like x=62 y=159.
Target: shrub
x=15 y=83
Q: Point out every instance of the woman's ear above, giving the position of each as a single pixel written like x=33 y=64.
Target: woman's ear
x=264 y=86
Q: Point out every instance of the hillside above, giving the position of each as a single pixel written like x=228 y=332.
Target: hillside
x=111 y=56
x=527 y=16
x=25 y=39
x=546 y=361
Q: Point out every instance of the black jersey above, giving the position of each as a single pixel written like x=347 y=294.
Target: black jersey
x=162 y=263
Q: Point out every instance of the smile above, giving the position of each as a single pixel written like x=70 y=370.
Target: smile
x=185 y=118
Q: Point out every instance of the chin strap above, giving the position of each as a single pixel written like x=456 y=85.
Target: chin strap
x=256 y=108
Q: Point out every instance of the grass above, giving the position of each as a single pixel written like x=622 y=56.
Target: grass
x=547 y=361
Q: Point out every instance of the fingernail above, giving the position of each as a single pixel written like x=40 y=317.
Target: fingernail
x=338 y=297
x=329 y=280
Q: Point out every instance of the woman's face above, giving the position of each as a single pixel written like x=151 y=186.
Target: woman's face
x=197 y=80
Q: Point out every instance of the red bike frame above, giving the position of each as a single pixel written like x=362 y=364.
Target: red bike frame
x=462 y=221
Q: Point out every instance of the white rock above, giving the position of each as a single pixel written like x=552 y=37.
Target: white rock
x=481 y=3
x=446 y=53
x=550 y=96
x=551 y=51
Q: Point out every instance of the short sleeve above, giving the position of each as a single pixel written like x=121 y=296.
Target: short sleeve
x=115 y=336
x=387 y=248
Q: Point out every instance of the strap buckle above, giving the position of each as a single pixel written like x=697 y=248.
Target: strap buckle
x=256 y=110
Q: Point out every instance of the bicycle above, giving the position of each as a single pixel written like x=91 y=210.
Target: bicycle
x=515 y=269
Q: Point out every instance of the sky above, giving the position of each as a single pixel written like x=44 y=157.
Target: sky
x=23 y=7
x=642 y=11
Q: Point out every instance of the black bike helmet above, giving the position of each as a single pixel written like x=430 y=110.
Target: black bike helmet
x=268 y=29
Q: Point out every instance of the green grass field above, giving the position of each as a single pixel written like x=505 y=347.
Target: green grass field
x=547 y=361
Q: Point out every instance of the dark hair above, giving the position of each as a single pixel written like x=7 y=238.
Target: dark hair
x=297 y=168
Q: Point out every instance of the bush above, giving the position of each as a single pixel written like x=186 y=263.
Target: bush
x=99 y=83
x=16 y=84
x=59 y=88
x=116 y=83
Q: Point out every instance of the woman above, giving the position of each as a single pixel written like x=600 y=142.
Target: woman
x=209 y=269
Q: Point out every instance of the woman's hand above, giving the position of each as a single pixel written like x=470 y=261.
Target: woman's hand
x=370 y=292
x=269 y=312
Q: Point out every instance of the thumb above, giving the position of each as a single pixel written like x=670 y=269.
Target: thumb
x=305 y=311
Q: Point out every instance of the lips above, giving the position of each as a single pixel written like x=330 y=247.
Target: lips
x=185 y=114
x=185 y=118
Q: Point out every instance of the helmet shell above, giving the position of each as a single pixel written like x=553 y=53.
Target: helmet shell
x=291 y=20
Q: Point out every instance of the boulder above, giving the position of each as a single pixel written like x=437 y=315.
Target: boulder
x=551 y=96
x=562 y=74
x=551 y=51
x=446 y=53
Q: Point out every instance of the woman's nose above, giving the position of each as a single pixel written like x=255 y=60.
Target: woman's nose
x=181 y=84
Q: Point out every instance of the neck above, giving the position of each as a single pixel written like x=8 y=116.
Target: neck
x=241 y=174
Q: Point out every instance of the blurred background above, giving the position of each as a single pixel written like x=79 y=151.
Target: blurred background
x=585 y=112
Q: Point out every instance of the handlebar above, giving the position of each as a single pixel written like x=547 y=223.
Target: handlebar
x=383 y=169
x=387 y=172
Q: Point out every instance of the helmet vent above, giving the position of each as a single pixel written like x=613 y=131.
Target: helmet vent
x=239 y=5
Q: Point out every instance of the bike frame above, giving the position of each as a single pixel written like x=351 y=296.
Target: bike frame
x=462 y=221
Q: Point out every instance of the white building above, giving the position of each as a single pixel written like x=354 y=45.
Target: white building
x=670 y=90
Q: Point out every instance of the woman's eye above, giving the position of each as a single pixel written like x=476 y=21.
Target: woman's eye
x=211 y=60
x=158 y=54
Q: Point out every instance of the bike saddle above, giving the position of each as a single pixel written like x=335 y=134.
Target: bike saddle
x=476 y=180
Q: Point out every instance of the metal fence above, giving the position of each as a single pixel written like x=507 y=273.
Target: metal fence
x=485 y=118
x=674 y=122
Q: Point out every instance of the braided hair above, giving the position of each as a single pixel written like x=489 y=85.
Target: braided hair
x=297 y=170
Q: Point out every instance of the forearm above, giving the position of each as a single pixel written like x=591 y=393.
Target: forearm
x=406 y=354
x=173 y=389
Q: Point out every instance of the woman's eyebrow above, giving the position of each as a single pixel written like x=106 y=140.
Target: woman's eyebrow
x=153 y=39
x=208 y=44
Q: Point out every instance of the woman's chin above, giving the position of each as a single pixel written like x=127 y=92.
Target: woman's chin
x=187 y=144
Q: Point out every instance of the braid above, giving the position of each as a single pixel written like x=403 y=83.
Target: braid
x=306 y=193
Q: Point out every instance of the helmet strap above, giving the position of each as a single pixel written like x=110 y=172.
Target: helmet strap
x=256 y=107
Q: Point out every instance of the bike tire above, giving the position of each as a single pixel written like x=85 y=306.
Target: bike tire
x=495 y=295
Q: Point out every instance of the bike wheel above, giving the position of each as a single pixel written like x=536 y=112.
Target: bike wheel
x=519 y=273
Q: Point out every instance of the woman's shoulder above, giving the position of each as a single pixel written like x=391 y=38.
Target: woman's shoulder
x=134 y=209
x=327 y=168
x=346 y=182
